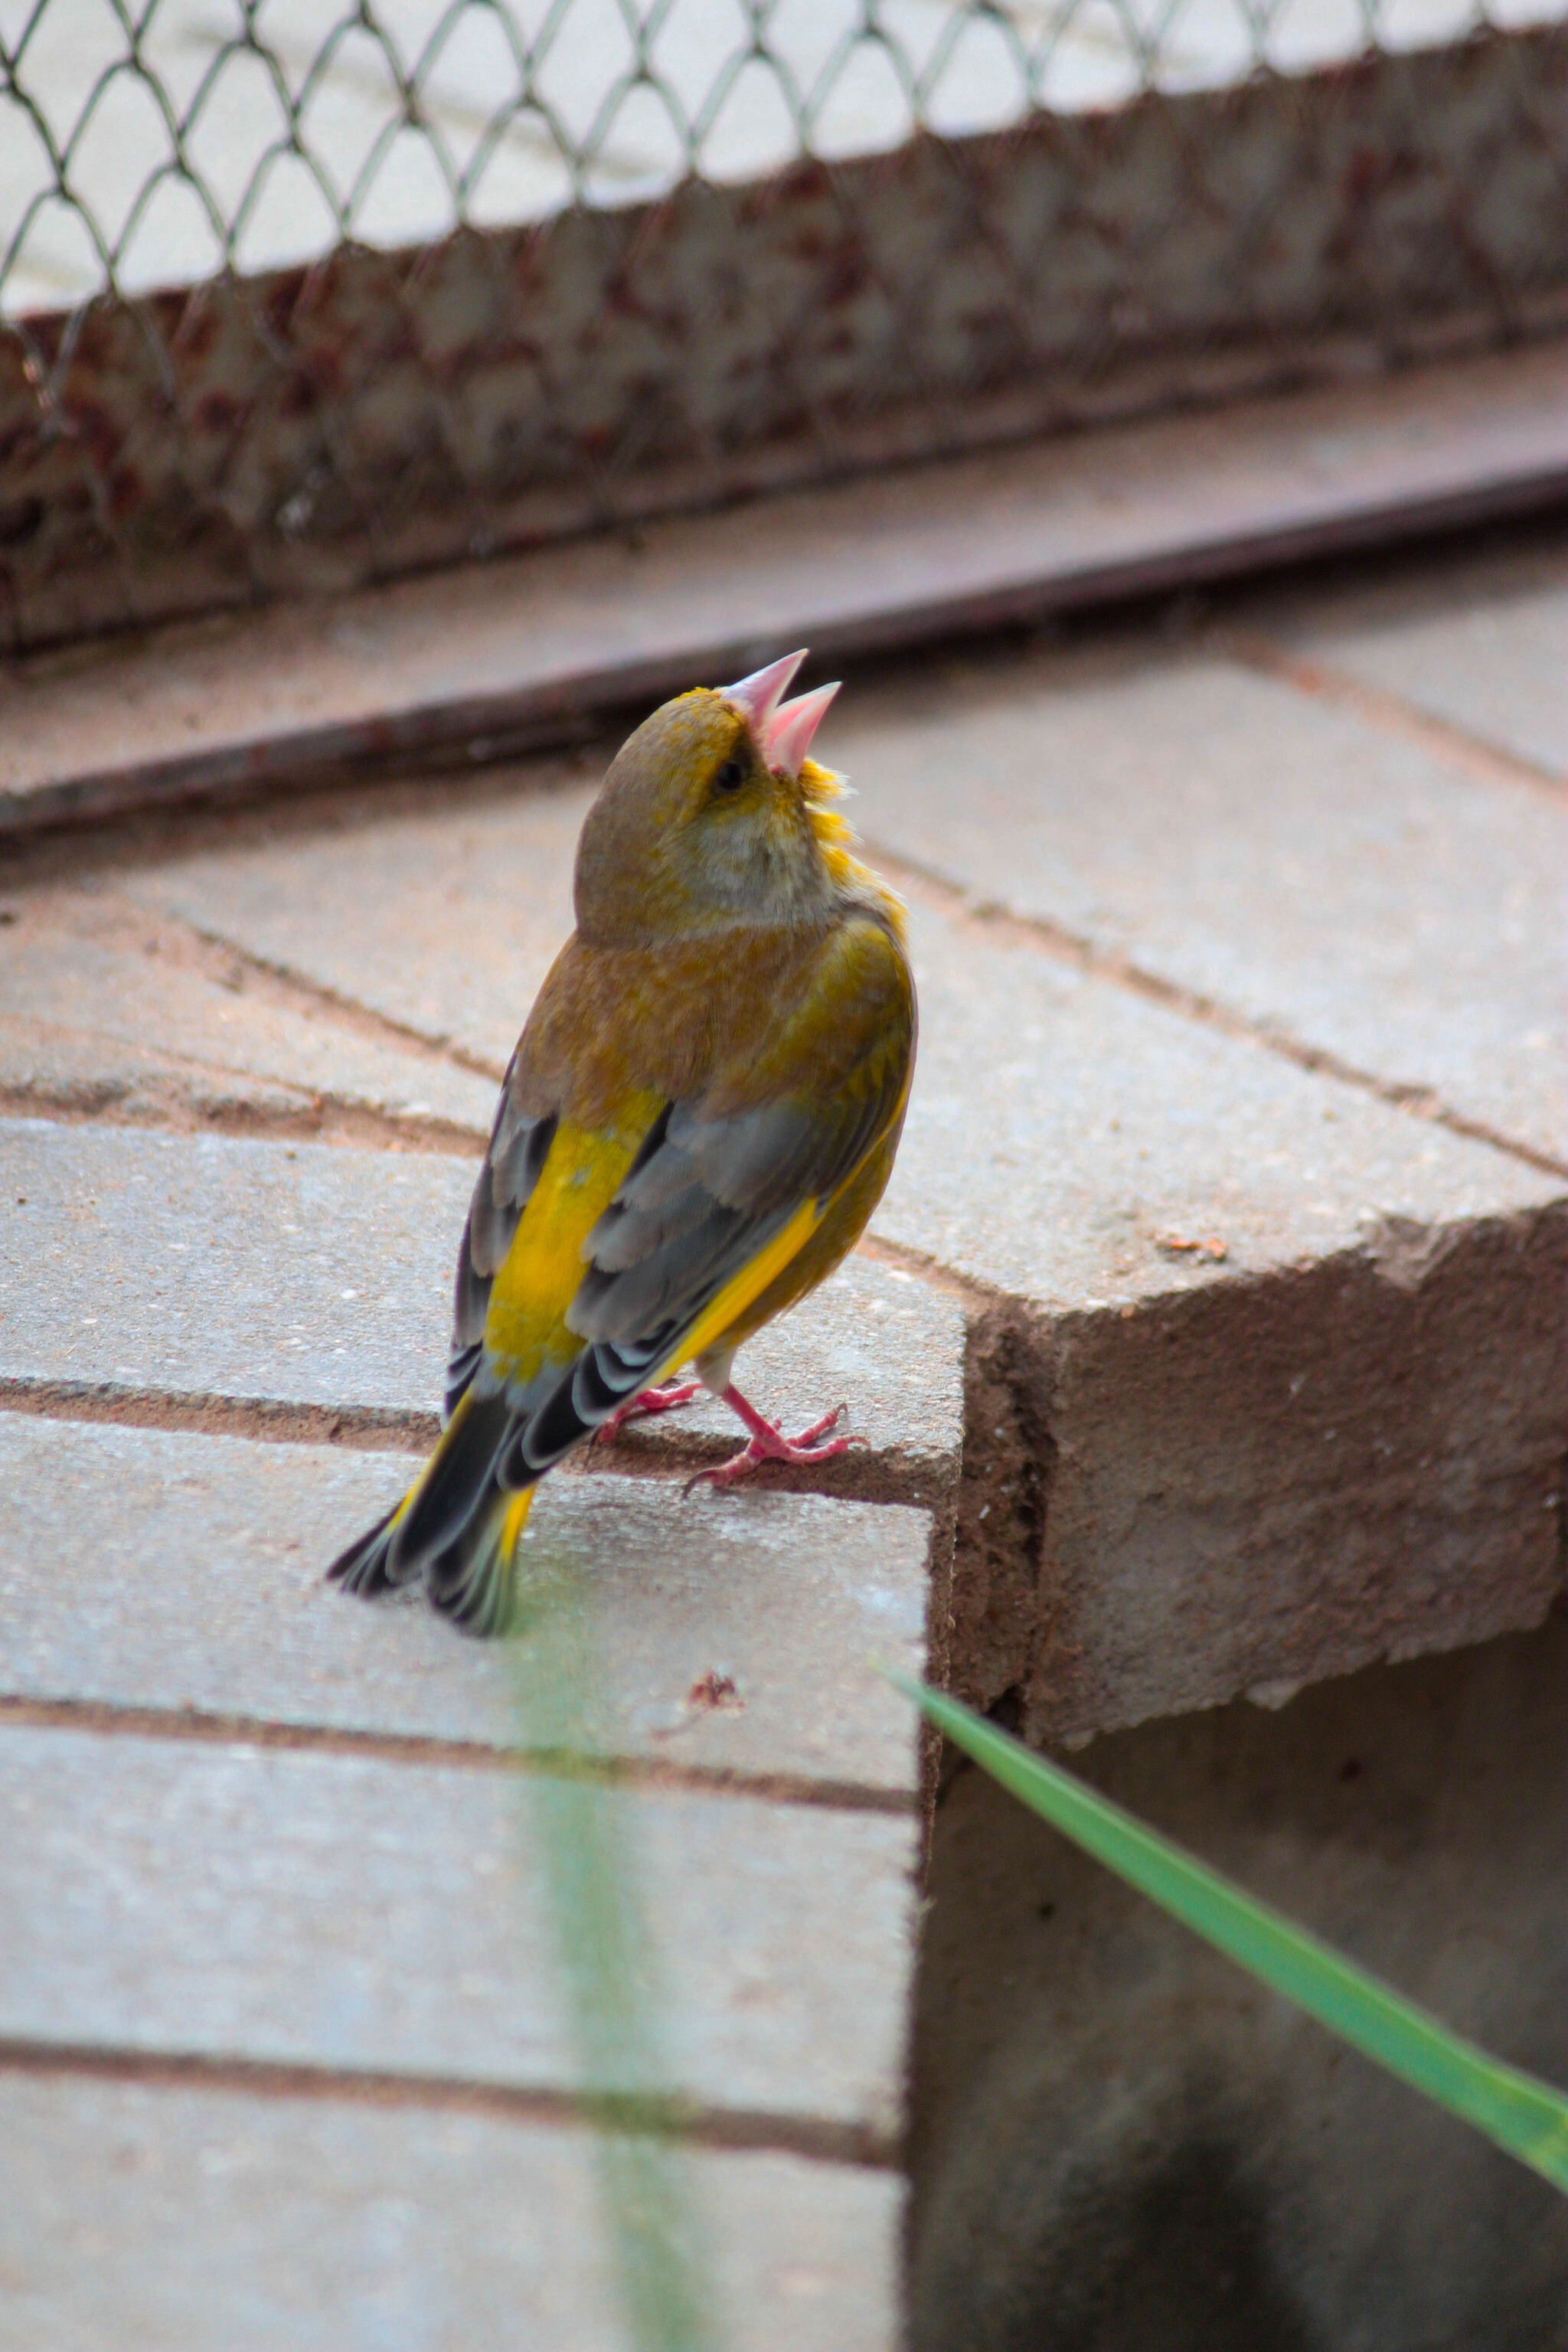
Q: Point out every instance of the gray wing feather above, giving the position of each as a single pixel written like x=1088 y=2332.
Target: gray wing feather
x=698 y=1207
x=518 y=1148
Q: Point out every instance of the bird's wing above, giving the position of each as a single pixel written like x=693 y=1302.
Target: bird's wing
x=518 y=1148
x=727 y=1185
x=632 y=1244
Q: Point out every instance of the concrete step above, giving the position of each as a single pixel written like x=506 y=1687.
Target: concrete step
x=1333 y=886
x=534 y=648
x=160 y=1575
x=1200 y=1250
x=358 y=1916
x=334 y=2225
x=107 y=1009
x=276 y=1276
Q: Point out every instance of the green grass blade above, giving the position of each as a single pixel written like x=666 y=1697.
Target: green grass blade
x=614 y=2000
x=1527 y=2117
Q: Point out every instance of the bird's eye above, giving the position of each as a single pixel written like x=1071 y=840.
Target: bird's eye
x=730 y=776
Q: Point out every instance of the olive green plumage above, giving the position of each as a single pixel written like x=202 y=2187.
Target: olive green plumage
x=700 y=1117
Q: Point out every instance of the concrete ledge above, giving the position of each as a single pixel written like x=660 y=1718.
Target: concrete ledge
x=1265 y=1484
x=357 y=1914
x=537 y=649
x=727 y=1636
x=287 y=1280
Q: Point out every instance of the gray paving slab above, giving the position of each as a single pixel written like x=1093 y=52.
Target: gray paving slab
x=1286 y=1389
x=1231 y=834
x=335 y=2228
x=445 y=917
x=220 y=1265
x=55 y=1070
x=342 y=1912
x=1074 y=1145
x=1255 y=846
x=308 y=1274
x=100 y=1009
x=738 y=1631
x=1482 y=645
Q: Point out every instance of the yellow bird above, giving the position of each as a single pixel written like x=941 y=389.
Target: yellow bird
x=699 y=1119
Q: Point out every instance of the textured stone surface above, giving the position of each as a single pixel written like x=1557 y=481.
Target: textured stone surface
x=103 y=1007
x=1074 y=1145
x=1286 y=1385
x=344 y=1911
x=1261 y=1485
x=332 y=2228
x=446 y=918
x=1025 y=1065
x=1252 y=845
x=211 y=1264
x=1480 y=644
x=301 y=1274
x=144 y=1568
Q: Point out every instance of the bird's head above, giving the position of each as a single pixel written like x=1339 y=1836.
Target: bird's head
x=713 y=816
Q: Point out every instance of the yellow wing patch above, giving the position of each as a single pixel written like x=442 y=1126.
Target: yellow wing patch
x=526 y=1324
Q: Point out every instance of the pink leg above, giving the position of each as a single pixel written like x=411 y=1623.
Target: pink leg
x=666 y=1398
x=768 y=1444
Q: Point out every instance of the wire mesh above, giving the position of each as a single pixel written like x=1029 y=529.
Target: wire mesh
x=155 y=144
x=384 y=283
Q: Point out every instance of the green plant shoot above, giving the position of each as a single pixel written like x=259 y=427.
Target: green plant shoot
x=1527 y=2117
x=613 y=1998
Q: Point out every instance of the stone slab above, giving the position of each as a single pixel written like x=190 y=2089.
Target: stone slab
x=1285 y=1384
x=444 y=915
x=1253 y=844
x=1040 y=1052
x=216 y=1264
x=308 y=1274
x=1481 y=643
x=102 y=1009
x=343 y=1911
x=334 y=2228
x=1072 y=1144
x=192 y=1579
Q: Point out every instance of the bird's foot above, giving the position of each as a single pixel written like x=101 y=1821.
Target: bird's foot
x=668 y=1397
x=768 y=1443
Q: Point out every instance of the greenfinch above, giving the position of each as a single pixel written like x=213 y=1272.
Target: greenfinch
x=700 y=1117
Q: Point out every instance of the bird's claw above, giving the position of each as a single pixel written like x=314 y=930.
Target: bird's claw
x=768 y=1443
x=668 y=1397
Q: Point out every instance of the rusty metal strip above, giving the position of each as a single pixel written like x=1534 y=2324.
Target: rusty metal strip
x=319 y=428
x=464 y=664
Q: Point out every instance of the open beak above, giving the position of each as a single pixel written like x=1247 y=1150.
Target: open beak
x=784 y=729
x=793 y=724
x=758 y=695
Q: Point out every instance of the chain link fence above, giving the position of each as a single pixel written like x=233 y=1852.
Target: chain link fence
x=294 y=295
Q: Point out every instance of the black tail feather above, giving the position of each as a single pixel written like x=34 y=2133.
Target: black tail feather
x=472 y=1583
x=455 y=1486
x=362 y=1569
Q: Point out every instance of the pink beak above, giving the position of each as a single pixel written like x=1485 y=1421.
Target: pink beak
x=784 y=729
x=758 y=695
x=792 y=725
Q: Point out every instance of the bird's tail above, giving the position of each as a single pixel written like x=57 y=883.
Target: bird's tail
x=457 y=1528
